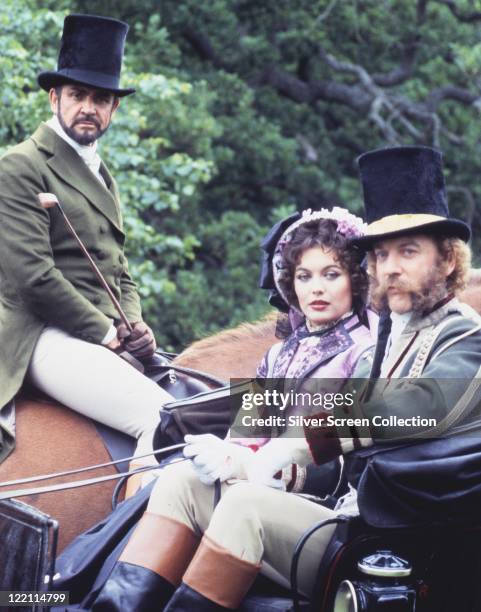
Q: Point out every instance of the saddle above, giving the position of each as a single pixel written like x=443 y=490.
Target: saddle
x=30 y=535
x=181 y=383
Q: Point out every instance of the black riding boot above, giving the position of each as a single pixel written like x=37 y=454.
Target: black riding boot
x=133 y=588
x=186 y=599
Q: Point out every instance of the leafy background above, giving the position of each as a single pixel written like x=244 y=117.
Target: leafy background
x=246 y=111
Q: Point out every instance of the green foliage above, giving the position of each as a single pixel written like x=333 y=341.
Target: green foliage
x=23 y=106
x=218 y=290
x=210 y=151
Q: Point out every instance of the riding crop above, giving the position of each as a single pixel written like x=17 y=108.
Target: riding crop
x=49 y=200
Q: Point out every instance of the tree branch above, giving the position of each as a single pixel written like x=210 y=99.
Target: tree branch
x=309 y=151
x=327 y=11
x=421 y=11
x=340 y=66
x=381 y=102
x=450 y=92
x=202 y=45
x=308 y=93
x=401 y=73
x=393 y=114
x=470 y=17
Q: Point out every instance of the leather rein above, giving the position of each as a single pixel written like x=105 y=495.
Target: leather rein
x=159 y=371
x=82 y=483
x=202 y=376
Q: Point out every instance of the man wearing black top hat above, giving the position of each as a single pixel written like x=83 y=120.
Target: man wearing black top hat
x=429 y=358
x=56 y=321
x=427 y=362
x=418 y=261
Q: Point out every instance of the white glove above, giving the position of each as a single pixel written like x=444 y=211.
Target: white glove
x=213 y=458
x=271 y=458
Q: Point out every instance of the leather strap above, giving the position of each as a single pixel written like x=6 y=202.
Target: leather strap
x=133 y=361
x=81 y=483
x=166 y=368
x=203 y=376
x=71 y=485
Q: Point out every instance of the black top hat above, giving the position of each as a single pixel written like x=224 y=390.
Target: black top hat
x=90 y=54
x=404 y=193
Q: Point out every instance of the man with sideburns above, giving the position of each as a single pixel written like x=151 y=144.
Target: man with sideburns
x=58 y=327
x=427 y=364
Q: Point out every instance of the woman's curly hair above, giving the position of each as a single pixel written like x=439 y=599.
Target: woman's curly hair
x=323 y=233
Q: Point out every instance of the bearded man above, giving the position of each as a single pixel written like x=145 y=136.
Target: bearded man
x=58 y=327
x=419 y=260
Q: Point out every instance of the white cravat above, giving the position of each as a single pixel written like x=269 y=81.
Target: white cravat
x=87 y=152
x=398 y=323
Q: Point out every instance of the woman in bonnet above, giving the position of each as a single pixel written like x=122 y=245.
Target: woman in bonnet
x=185 y=553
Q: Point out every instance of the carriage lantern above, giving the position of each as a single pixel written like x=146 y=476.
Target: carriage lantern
x=383 y=586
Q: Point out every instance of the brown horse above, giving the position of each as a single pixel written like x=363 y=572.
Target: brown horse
x=232 y=353
x=53 y=438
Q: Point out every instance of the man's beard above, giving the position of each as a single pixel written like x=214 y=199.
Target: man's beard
x=424 y=297
x=81 y=139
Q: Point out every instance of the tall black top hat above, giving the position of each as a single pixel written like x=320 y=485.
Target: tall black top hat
x=404 y=193
x=90 y=54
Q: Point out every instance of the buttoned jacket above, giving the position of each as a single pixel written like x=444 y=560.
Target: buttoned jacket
x=44 y=277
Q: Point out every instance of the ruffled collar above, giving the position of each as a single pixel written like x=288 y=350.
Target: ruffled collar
x=323 y=327
x=333 y=338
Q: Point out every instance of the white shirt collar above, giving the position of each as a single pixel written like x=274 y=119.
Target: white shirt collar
x=87 y=152
x=399 y=322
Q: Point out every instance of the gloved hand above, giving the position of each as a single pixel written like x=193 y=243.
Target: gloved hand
x=213 y=458
x=140 y=342
x=271 y=458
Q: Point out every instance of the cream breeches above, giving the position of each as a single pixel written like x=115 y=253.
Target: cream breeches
x=254 y=522
x=94 y=381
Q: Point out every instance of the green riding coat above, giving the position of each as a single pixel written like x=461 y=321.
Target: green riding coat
x=44 y=277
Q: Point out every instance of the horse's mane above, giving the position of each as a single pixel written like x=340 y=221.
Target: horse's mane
x=246 y=333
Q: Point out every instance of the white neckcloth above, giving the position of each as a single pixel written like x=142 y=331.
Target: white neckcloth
x=398 y=323
x=88 y=153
